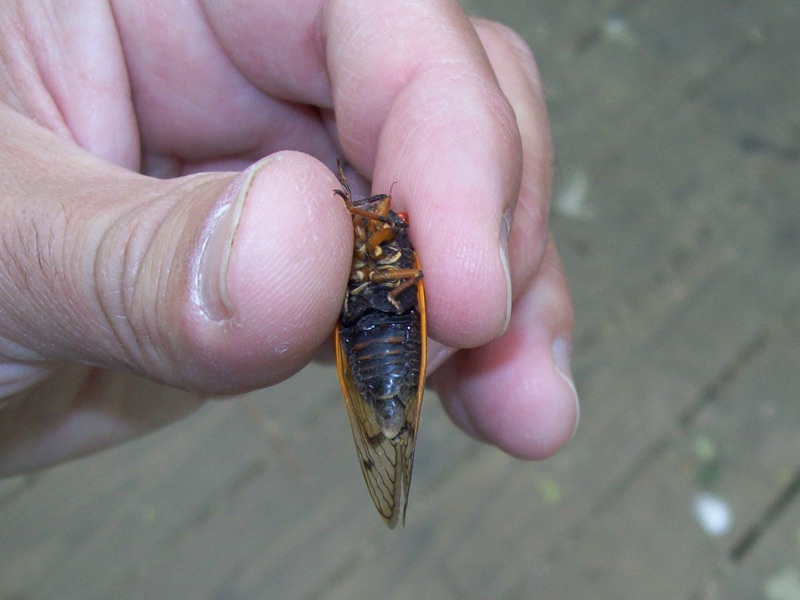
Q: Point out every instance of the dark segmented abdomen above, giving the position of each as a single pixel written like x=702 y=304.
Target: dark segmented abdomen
x=383 y=352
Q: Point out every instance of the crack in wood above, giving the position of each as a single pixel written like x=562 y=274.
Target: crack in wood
x=751 y=536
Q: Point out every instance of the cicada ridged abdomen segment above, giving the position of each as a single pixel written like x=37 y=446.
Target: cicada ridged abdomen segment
x=381 y=348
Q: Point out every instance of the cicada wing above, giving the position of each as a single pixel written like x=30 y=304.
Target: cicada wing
x=386 y=463
x=414 y=407
x=383 y=461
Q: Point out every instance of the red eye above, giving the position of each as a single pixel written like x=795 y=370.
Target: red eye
x=403 y=216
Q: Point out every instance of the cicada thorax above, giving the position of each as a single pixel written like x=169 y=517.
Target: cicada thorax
x=381 y=347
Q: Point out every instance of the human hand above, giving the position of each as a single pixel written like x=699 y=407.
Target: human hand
x=126 y=299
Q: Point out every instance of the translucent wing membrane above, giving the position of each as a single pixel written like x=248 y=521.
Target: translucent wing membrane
x=385 y=463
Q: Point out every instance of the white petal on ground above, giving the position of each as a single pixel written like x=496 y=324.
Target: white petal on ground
x=713 y=513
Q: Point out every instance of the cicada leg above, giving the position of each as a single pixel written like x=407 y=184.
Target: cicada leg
x=406 y=278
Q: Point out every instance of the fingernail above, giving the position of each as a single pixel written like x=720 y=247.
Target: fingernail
x=212 y=275
x=505 y=233
x=561 y=350
x=16 y=377
x=437 y=354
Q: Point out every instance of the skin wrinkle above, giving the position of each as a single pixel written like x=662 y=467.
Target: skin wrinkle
x=56 y=79
x=313 y=38
x=403 y=24
x=23 y=84
x=20 y=252
x=106 y=294
x=121 y=275
x=163 y=351
x=289 y=127
x=430 y=127
x=285 y=80
x=182 y=101
x=56 y=277
x=412 y=68
x=10 y=284
x=42 y=56
x=170 y=341
x=57 y=283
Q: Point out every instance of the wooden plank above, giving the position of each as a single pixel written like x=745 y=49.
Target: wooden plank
x=253 y=523
x=289 y=407
x=643 y=544
x=355 y=534
x=614 y=67
x=756 y=435
x=758 y=281
x=290 y=528
x=770 y=570
x=158 y=490
x=646 y=541
x=402 y=563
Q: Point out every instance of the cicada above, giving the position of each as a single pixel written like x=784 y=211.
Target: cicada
x=381 y=348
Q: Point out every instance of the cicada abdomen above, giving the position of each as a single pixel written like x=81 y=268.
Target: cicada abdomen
x=381 y=348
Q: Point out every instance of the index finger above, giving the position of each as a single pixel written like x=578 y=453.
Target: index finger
x=417 y=103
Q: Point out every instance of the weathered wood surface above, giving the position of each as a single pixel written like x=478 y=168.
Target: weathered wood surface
x=677 y=211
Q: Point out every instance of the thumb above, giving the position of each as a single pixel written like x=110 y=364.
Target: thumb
x=213 y=282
